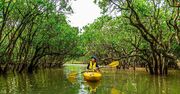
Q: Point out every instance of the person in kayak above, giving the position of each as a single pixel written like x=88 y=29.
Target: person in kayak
x=93 y=64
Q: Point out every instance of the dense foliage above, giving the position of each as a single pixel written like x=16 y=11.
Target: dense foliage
x=145 y=32
x=35 y=32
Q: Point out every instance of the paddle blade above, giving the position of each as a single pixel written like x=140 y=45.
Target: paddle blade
x=72 y=74
x=114 y=64
x=71 y=79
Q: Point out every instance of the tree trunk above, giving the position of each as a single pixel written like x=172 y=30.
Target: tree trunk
x=161 y=64
x=22 y=67
x=30 y=68
x=160 y=68
x=150 y=69
x=165 y=69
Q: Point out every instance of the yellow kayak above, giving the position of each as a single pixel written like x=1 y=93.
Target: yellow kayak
x=92 y=76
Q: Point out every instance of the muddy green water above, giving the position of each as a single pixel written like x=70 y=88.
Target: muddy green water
x=56 y=81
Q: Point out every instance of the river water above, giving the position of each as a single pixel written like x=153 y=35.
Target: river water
x=57 y=81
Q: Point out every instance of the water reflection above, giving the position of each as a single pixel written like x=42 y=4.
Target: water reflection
x=72 y=79
x=92 y=86
x=115 y=91
x=57 y=81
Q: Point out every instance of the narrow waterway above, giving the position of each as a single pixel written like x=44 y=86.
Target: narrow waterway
x=56 y=81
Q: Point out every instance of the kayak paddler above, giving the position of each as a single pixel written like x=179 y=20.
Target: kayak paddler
x=92 y=65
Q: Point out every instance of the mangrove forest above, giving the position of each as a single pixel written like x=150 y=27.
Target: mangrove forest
x=133 y=47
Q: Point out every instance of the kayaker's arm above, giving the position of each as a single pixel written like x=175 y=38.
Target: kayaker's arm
x=97 y=68
x=88 y=66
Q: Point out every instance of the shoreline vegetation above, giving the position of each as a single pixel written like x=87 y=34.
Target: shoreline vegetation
x=36 y=34
x=15 y=67
x=130 y=68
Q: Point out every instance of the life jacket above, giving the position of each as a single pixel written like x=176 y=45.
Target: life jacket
x=92 y=66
